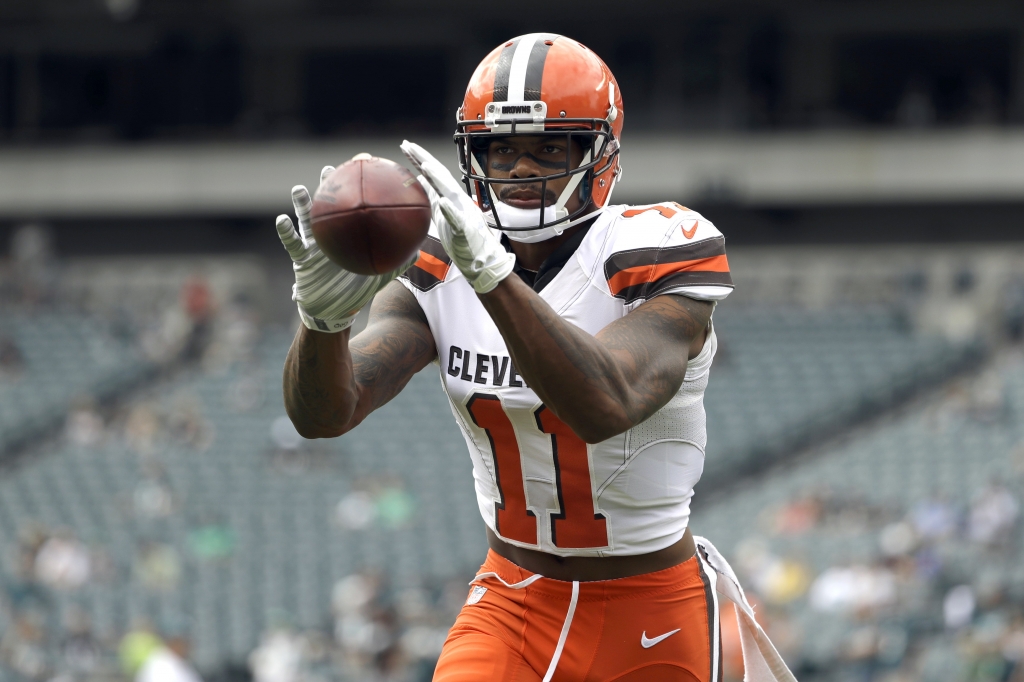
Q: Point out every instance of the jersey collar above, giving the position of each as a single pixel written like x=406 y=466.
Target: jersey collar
x=553 y=264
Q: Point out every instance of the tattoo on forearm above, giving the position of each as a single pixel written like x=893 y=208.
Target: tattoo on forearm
x=386 y=359
x=335 y=393
x=649 y=347
x=635 y=361
x=310 y=385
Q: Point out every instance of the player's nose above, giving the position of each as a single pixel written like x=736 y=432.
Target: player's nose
x=525 y=167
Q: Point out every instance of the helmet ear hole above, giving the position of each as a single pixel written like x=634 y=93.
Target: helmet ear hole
x=584 y=190
x=483 y=195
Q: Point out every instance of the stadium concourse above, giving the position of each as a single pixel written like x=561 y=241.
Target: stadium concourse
x=863 y=473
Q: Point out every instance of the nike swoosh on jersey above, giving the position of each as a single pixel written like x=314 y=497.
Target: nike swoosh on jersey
x=648 y=643
x=692 y=231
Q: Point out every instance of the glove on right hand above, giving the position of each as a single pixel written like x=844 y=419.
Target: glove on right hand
x=328 y=296
x=474 y=247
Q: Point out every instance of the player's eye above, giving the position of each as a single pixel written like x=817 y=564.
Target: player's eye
x=503 y=150
x=552 y=149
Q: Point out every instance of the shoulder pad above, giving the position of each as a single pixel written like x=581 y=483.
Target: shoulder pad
x=663 y=248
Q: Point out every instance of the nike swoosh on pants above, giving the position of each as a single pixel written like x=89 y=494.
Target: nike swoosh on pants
x=648 y=643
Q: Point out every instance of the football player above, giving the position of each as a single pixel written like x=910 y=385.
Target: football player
x=574 y=340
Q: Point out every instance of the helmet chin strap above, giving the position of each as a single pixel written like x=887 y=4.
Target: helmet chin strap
x=510 y=216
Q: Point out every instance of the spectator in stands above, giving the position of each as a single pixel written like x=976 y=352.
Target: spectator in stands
x=958 y=606
x=278 y=658
x=988 y=398
x=63 y=562
x=12 y=362
x=1012 y=648
x=862 y=589
x=197 y=302
x=935 y=518
x=955 y=312
x=993 y=516
x=152 y=498
x=32 y=260
x=23 y=591
x=85 y=426
x=81 y=654
x=800 y=515
x=186 y=423
x=23 y=647
x=234 y=336
x=779 y=579
x=898 y=539
x=143 y=428
x=145 y=658
x=158 y=566
x=425 y=630
x=1012 y=309
x=183 y=331
x=366 y=626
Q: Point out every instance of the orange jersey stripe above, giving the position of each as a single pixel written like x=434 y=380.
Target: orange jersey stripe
x=643 y=274
x=435 y=266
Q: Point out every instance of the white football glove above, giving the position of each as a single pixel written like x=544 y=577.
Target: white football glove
x=474 y=247
x=328 y=297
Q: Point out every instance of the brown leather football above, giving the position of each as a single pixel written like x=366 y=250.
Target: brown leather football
x=370 y=215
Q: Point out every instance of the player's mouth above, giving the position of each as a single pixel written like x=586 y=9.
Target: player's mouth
x=525 y=198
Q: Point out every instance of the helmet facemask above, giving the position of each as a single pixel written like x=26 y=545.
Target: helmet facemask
x=594 y=136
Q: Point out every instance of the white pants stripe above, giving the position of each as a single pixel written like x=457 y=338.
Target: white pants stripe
x=566 y=625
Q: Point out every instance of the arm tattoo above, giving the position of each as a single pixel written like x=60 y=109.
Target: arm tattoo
x=631 y=368
x=652 y=346
x=307 y=383
x=396 y=344
x=332 y=383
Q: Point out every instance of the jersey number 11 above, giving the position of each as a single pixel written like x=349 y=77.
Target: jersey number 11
x=576 y=525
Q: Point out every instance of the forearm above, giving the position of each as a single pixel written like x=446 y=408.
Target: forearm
x=320 y=392
x=331 y=383
x=577 y=376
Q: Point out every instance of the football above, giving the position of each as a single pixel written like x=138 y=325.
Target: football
x=370 y=215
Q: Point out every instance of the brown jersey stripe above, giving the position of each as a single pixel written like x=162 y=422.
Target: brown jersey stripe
x=691 y=279
x=432 y=245
x=650 y=274
x=625 y=260
x=421 y=279
x=431 y=267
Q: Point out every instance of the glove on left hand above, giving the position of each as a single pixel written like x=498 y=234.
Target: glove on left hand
x=328 y=297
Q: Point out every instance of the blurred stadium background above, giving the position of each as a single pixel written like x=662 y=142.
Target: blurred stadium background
x=866 y=459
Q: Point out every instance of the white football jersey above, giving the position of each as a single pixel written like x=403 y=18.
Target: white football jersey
x=538 y=485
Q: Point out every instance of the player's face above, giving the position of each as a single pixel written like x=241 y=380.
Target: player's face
x=532 y=157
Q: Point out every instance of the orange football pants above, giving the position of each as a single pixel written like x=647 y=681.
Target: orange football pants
x=526 y=628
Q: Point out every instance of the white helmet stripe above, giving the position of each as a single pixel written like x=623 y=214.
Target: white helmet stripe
x=574 y=182
x=501 y=70
x=520 y=60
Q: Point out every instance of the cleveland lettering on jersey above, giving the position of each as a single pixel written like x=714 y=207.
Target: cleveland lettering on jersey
x=481 y=368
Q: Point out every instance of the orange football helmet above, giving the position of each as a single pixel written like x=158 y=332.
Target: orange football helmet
x=542 y=84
